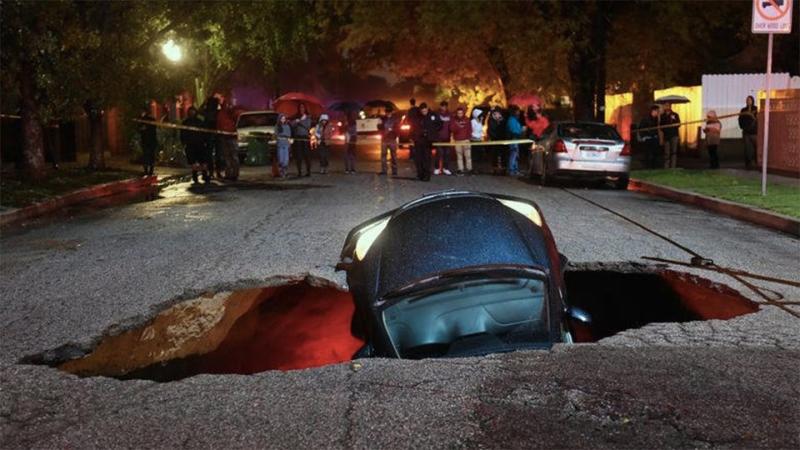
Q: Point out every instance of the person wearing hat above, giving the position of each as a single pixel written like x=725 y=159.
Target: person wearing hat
x=388 y=127
x=713 y=130
x=323 y=132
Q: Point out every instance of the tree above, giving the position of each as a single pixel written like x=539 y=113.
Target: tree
x=452 y=44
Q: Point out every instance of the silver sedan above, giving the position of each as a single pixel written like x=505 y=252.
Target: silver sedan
x=581 y=149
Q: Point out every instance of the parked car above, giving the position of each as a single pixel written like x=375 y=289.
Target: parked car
x=581 y=149
x=493 y=282
x=254 y=123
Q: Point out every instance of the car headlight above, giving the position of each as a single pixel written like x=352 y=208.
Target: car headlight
x=526 y=209
x=367 y=236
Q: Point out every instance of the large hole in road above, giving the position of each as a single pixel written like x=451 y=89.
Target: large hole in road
x=305 y=323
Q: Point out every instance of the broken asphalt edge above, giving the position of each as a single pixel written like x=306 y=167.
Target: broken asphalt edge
x=738 y=211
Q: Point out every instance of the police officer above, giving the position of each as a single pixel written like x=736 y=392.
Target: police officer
x=425 y=131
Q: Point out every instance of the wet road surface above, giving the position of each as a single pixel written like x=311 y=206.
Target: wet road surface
x=67 y=284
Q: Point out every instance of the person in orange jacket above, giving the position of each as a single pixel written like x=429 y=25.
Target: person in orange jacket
x=535 y=120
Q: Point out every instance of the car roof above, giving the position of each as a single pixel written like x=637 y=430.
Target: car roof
x=454 y=230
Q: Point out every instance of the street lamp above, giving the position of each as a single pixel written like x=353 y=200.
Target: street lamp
x=172 y=51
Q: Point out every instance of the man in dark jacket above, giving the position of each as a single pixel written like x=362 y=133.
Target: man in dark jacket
x=748 y=122
x=226 y=121
x=216 y=161
x=649 y=139
x=426 y=131
x=412 y=118
x=195 y=144
x=497 y=132
x=670 y=133
x=389 y=127
x=147 y=133
x=442 y=163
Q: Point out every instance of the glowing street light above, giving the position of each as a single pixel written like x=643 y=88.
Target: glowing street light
x=172 y=51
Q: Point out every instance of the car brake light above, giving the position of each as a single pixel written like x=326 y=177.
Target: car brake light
x=560 y=147
x=626 y=150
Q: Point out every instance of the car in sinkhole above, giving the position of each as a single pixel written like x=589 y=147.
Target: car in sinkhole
x=457 y=273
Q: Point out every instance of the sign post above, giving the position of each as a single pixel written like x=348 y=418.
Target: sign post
x=770 y=16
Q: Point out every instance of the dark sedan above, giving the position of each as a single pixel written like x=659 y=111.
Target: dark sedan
x=457 y=274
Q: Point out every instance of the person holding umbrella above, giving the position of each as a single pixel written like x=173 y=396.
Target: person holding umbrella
x=670 y=120
x=351 y=135
x=301 y=127
x=389 y=127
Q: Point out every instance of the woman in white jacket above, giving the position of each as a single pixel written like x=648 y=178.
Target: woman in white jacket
x=477 y=133
x=712 y=130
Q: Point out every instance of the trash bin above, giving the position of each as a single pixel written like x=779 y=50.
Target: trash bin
x=257 y=154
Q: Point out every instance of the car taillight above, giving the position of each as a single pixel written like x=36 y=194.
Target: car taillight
x=560 y=147
x=626 y=150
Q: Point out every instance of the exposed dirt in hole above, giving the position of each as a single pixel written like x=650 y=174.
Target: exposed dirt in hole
x=306 y=323
x=625 y=296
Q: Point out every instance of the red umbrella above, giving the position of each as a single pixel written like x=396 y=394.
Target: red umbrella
x=525 y=100
x=288 y=104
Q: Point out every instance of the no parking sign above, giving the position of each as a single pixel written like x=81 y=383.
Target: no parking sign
x=772 y=16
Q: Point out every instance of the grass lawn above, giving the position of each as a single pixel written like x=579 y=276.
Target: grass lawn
x=780 y=198
x=16 y=193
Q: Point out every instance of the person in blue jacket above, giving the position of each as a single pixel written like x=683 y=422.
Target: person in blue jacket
x=515 y=131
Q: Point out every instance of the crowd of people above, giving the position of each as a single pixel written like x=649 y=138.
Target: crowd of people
x=478 y=135
x=659 y=135
x=465 y=133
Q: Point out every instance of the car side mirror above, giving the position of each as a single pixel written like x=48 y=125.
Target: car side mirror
x=344 y=264
x=578 y=315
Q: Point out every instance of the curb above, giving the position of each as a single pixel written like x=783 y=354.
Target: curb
x=89 y=193
x=738 y=211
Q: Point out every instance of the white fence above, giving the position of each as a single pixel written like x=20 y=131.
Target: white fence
x=726 y=94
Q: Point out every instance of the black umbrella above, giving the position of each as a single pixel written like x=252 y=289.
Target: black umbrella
x=385 y=104
x=344 y=106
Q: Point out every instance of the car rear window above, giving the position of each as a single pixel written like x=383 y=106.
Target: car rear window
x=469 y=319
x=257 y=120
x=588 y=131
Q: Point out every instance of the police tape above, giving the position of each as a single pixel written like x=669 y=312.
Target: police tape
x=271 y=140
x=692 y=122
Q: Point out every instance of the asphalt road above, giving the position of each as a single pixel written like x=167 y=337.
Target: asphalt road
x=708 y=384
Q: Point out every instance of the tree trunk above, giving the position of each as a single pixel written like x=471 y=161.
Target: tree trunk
x=498 y=61
x=97 y=159
x=600 y=28
x=582 y=83
x=32 y=164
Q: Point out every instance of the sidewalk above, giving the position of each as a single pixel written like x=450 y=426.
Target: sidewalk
x=732 y=192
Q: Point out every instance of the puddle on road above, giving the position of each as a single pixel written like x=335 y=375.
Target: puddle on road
x=306 y=323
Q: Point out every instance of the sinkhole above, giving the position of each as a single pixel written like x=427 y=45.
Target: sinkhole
x=306 y=322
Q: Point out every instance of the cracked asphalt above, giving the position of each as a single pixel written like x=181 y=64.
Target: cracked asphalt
x=710 y=384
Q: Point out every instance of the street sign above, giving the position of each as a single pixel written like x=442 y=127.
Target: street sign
x=772 y=16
